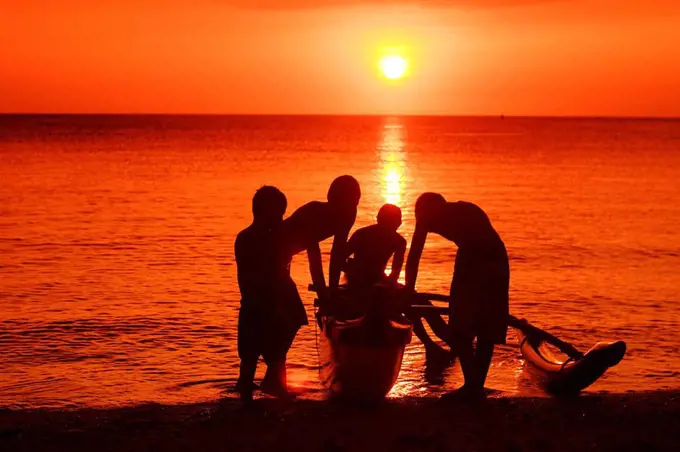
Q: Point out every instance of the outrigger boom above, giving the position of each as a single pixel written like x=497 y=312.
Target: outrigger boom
x=520 y=324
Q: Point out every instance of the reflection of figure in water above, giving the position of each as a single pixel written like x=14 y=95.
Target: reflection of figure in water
x=373 y=246
x=315 y=222
x=479 y=290
x=271 y=308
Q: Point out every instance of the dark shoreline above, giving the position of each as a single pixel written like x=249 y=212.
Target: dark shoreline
x=621 y=422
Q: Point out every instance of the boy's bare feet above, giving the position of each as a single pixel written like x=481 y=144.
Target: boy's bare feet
x=276 y=390
x=465 y=393
x=245 y=390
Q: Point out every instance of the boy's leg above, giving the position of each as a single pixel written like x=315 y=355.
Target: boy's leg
x=245 y=383
x=483 y=356
x=249 y=353
x=462 y=346
x=492 y=282
x=275 y=381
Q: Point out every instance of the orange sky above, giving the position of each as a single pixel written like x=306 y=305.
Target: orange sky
x=580 y=57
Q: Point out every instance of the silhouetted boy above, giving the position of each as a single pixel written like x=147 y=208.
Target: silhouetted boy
x=479 y=289
x=315 y=222
x=271 y=309
x=373 y=246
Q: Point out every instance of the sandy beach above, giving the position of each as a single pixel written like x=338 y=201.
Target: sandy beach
x=617 y=422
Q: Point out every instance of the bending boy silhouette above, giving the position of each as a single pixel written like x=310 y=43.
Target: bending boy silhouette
x=316 y=221
x=479 y=287
x=271 y=309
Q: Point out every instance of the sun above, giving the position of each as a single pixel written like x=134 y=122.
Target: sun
x=394 y=67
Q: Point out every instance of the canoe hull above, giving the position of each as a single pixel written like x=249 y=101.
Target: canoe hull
x=361 y=358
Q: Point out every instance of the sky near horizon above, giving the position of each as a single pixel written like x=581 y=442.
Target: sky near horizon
x=488 y=57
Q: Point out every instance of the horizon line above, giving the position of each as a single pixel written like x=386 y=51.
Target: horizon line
x=377 y=115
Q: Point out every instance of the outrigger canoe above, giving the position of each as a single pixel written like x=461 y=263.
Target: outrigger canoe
x=361 y=355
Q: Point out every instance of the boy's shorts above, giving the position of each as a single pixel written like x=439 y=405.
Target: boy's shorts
x=479 y=295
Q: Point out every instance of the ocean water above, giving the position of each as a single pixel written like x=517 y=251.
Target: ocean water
x=117 y=277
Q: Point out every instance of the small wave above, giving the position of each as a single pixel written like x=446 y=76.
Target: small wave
x=664 y=375
x=203 y=382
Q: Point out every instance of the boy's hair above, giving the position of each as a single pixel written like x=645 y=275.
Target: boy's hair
x=389 y=215
x=344 y=190
x=269 y=201
x=427 y=202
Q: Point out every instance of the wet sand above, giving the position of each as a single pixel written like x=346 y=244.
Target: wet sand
x=618 y=422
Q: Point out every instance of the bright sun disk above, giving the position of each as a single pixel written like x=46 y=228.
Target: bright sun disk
x=393 y=66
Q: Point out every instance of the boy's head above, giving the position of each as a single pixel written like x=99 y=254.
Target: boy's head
x=427 y=204
x=345 y=191
x=269 y=205
x=389 y=216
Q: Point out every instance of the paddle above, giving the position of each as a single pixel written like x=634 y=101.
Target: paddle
x=520 y=324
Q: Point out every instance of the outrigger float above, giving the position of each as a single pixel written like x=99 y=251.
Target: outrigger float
x=361 y=354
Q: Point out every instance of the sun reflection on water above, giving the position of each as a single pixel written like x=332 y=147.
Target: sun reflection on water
x=392 y=171
x=393 y=163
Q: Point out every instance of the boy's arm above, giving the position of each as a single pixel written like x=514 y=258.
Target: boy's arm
x=316 y=267
x=351 y=246
x=337 y=257
x=246 y=280
x=414 y=254
x=398 y=260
